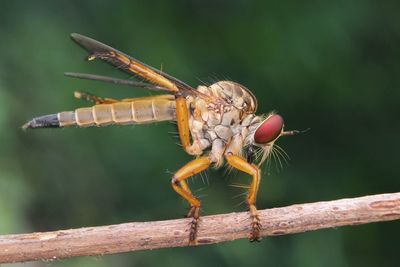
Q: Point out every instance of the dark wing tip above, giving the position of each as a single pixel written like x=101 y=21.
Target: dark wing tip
x=90 y=44
x=78 y=38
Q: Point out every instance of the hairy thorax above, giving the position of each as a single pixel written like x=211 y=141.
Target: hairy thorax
x=220 y=118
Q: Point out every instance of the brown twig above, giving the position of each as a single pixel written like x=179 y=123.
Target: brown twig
x=213 y=229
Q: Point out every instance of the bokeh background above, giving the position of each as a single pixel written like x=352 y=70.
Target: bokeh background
x=331 y=66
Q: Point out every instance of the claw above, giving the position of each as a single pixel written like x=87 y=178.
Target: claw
x=194 y=213
x=193 y=231
x=255 y=234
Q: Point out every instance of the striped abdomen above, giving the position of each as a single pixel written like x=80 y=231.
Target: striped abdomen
x=128 y=111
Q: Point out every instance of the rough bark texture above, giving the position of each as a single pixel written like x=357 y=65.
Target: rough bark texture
x=213 y=229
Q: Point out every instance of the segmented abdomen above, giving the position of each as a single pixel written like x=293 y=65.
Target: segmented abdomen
x=128 y=111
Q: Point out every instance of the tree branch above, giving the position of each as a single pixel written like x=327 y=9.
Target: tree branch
x=213 y=229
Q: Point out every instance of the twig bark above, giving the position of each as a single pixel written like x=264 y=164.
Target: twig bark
x=213 y=229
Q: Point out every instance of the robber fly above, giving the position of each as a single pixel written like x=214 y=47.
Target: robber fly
x=215 y=123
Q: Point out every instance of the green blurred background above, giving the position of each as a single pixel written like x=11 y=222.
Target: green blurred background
x=330 y=66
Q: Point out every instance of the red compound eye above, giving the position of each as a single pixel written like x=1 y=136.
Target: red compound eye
x=269 y=129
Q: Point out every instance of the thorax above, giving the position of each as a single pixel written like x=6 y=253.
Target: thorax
x=221 y=112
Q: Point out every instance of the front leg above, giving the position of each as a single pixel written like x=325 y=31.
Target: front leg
x=182 y=120
x=242 y=165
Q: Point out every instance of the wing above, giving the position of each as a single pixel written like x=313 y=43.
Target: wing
x=113 y=80
x=131 y=65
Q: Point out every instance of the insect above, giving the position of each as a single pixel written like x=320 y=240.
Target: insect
x=216 y=123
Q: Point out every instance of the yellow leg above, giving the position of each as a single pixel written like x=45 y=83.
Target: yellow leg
x=242 y=165
x=180 y=186
x=182 y=120
x=93 y=98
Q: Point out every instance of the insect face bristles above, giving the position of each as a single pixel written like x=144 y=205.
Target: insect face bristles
x=281 y=154
x=238 y=185
x=284 y=152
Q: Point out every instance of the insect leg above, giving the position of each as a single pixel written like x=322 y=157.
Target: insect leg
x=242 y=165
x=93 y=98
x=182 y=121
x=180 y=186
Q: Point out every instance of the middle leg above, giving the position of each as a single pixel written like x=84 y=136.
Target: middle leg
x=180 y=186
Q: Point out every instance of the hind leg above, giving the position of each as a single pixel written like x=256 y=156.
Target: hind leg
x=93 y=98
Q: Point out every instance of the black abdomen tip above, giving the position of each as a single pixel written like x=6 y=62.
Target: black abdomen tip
x=47 y=121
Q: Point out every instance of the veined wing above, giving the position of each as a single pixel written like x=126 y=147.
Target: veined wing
x=131 y=65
